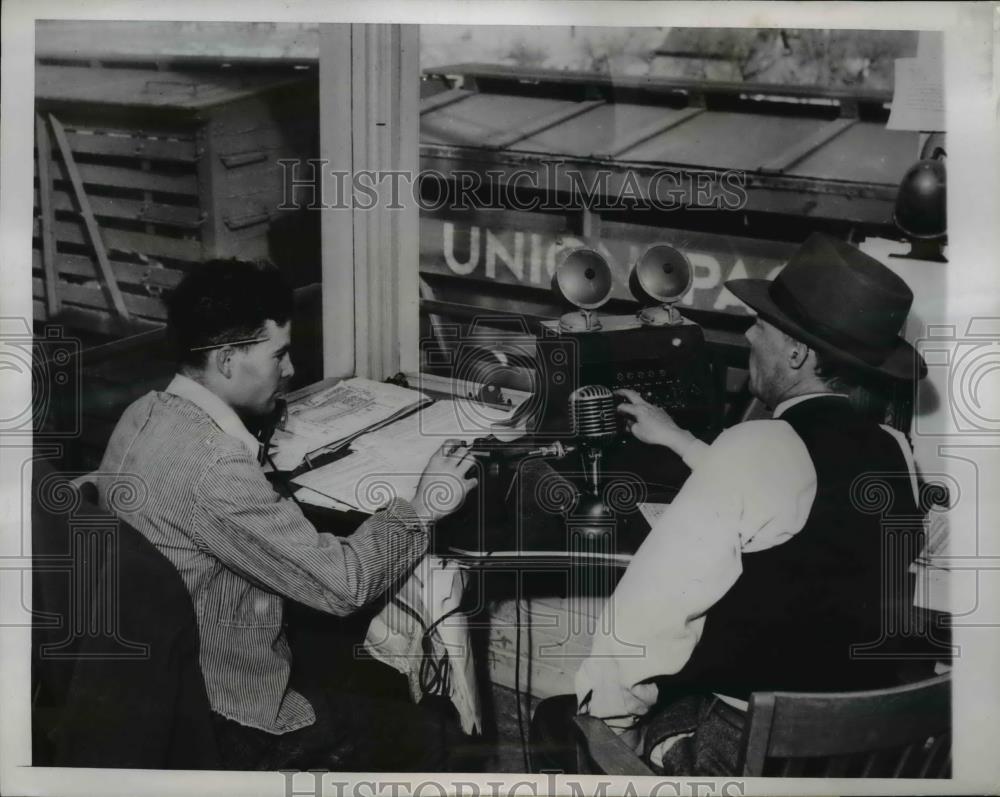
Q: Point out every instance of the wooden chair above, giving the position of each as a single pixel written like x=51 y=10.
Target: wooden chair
x=600 y=750
x=900 y=732
x=115 y=646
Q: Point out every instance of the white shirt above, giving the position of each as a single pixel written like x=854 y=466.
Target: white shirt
x=225 y=417
x=751 y=489
x=787 y=404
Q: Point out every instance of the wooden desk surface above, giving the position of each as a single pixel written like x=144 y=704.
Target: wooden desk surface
x=495 y=533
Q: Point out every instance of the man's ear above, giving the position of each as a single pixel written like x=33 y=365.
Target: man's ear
x=798 y=354
x=224 y=361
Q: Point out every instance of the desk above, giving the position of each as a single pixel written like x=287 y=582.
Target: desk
x=518 y=542
x=523 y=512
x=521 y=532
x=528 y=518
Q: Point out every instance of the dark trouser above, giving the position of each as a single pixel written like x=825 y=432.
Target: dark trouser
x=712 y=750
x=353 y=732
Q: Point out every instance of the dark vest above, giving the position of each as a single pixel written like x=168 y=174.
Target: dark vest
x=790 y=620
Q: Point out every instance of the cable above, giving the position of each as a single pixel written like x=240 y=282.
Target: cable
x=285 y=486
x=433 y=626
x=434 y=674
x=529 y=681
x=517 y=672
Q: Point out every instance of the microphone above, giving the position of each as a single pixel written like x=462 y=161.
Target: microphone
x=592 y=414
x=594 y=421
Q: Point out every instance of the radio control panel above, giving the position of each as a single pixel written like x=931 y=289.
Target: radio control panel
x=667 y=366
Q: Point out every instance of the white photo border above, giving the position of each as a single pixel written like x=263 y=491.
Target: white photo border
x=973 y=275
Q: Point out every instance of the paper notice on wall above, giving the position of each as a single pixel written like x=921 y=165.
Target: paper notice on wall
x=918 y=98
x=930 y=45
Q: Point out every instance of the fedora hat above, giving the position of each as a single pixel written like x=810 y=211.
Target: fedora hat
x=842 y=302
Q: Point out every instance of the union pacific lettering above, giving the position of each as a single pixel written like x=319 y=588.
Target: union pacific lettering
x=527 y=258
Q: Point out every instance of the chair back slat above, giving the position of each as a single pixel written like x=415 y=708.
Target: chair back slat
x=837 y=724
x=871 y=762
x=936 y=758
x=840 y=766
x=756 y=733
x=900 y=732
x=904 y=759
x=944 y=769
x=793 y=768
x=873 y=734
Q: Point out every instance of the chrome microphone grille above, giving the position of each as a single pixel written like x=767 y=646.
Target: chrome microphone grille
x=592 y=412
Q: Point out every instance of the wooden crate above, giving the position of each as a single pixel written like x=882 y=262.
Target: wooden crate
x=178 y=165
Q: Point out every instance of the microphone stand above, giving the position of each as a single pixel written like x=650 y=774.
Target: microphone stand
x=592 y=457
x=592 y=518
x=592 y=415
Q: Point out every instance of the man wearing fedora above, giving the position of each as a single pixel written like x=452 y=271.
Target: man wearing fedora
x=769 y=569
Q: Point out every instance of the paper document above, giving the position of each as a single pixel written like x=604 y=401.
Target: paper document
x=935 y=552
x=387 y=463
x=334 y=415
x=918 y=95
x=943 y=590
x=365 y=480
x=426 y=430
x=309 y=496
x=930 y=46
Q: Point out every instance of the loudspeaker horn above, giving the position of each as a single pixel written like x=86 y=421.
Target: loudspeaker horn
x=660 y=277
x=583 y=279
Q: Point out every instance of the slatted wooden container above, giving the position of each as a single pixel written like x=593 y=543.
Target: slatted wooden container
x=142 y=172
x=176 y=165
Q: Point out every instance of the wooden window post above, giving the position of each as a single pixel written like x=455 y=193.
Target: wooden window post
x=369 y=107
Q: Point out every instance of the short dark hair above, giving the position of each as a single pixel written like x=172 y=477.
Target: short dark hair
x=224 y=300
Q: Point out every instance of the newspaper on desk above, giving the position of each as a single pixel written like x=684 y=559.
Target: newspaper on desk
x=388 y=462
x=334 y=415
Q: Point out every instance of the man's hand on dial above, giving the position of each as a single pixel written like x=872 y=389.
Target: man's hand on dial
x=652 y=425
x=443 y=486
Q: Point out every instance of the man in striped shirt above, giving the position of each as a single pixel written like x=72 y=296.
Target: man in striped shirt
x=241 y=549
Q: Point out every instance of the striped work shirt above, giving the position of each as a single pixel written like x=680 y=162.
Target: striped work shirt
x=187 y=478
